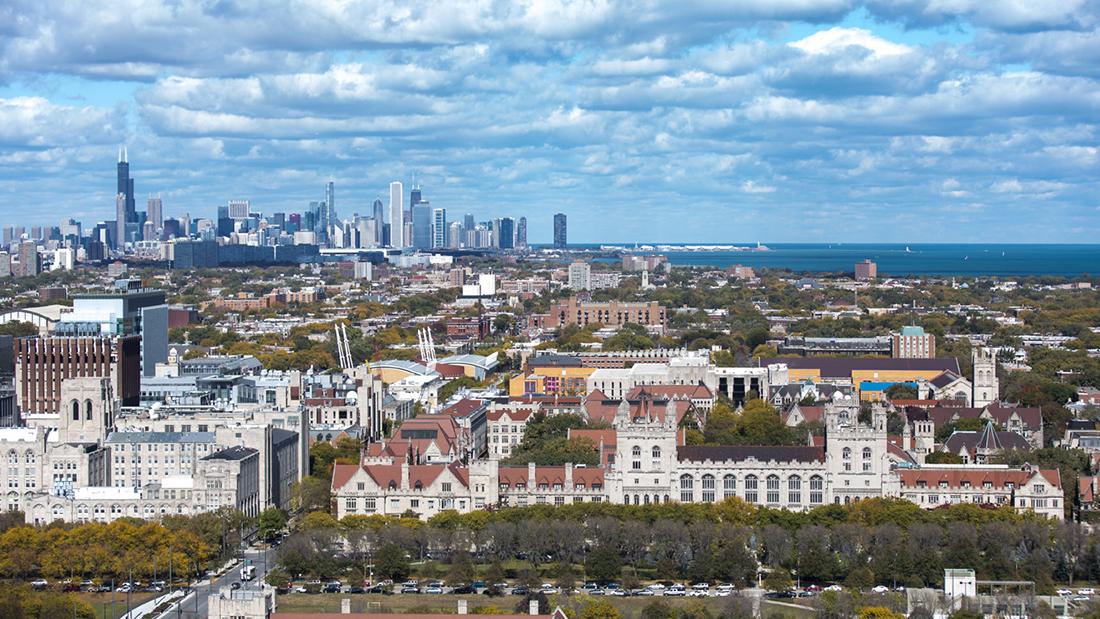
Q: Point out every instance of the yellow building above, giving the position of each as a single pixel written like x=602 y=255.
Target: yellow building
x=550 y=380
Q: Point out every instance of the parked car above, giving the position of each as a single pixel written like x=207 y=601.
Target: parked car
x=723 y=590
x=333 y=586
x=1086 y=591
x=410 y=586
x=520 y=590
x=235 y=585
x=39 y=584
x=464 y=590
x=676 y=591
x=434 y=589
x=833 y=588
x=589 y=587
x=381 y=587
x=699 y=590
x=880 y=589
x=1064 y=592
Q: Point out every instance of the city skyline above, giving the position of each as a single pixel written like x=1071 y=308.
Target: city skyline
x=815 y=122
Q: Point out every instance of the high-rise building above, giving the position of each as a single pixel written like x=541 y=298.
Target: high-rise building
x=415 y=197
x=378 y=213
x=239 y=209
x=521 y=233
x=422 y=224
x=866 y=270
x=454 y=235
x=126 y=188
x=507 y=233
x=30 y=263
x=120 y=221
x=439 y=227
x=468 y=221
x=397 y=215
x=330 y=202
x=580 y=276
x=560 y=239
x=154 y=213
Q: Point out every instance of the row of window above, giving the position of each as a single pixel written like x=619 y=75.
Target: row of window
x=772 y=483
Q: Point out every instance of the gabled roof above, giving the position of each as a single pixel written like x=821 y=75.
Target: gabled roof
x=976 y=477
x=944 y=379
x=988 y=439
x=677 y=392
x=1032 y=417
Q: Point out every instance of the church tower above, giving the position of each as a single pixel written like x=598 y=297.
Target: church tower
x=986 y=388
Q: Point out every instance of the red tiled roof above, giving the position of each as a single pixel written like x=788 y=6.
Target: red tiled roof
x=976 y=477
x=341 y=473
x=514 y=475
x=462 y=408
x=556 y=615
x=513 y=415
x=697 y=392
x=606 y=437
x=1031 y=416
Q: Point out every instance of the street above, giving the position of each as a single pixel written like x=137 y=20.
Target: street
x=193 y=606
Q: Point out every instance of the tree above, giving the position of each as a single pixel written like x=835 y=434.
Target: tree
x=462 y=570
x=600 y=609
x=604 y=564
x=565 y=579
x=658 y=609
x=311 y=494
x=391 y=562
x=901 y=391
x=777 y=580
x=878 y=612
x=272 y=521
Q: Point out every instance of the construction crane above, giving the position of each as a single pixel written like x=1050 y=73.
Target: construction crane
x=343 y=347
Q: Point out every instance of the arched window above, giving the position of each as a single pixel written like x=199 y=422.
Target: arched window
x=817 y=490
x=29 y=457
x=13 y=458
x=750 y=489
x=794 y=489
x=636 y=452
x=636 y=464
x=687 y=488
x=76 y=410
x=393 y=485
x=866 y=453
x=847 y=453
x=656 y=454
x=708 y=488
x=773 y=488
x=87 y=410
x=418 y=485
x=729 y=486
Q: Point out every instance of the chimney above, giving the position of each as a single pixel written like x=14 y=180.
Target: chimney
x=531 y=477
x=345 y=606
x=533 y=607
x=462 y=607
x=568 y=475
x=404 y=476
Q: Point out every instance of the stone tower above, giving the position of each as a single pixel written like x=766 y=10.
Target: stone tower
x=986 y=388
x=87 y=410
x=856 y=453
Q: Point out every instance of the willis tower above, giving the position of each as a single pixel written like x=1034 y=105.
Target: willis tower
x=125 y=206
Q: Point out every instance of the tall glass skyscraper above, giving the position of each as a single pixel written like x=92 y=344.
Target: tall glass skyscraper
x=439 y=227
x=397 y=214
x=560 y=240
x=422 y=225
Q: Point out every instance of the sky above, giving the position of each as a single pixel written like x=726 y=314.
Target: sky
x=644 y=121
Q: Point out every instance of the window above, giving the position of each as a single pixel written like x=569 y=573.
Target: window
x=446 y=486
x=847 y=453
x=708 y=488
x=750 y=489
x=350 y=504
x=656 y=455
x=773 y=488
x=794 y=489
x=817 y=488
x=729 y=486
x=636 y=465
x=866 y=453
x=687 y=488
x=76 y=410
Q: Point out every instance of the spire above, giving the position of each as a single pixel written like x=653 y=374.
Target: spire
x=120 y=156
x=988 y=439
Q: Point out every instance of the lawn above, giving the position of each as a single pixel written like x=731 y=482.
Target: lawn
x=113 y=605
x=423 y=603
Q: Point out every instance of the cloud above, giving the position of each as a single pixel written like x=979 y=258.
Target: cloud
x=754 y=187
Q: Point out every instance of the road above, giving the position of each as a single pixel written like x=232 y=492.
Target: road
x=193 y=606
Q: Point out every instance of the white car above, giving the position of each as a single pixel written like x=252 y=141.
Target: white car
x=41 y=583
x=881 y=589
x=833 y=588
x=1064 y=592
x=1086 y=591
x=676 y=591
x=723 y=590
x=700 y=590
x=656 y=589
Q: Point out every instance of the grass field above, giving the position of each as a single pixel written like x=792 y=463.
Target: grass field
x=628 y=606
x=113 y=605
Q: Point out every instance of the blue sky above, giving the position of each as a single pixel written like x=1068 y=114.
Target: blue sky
x=687 y=120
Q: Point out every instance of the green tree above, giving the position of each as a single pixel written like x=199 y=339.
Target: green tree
x=943 y=457
x=311 y=494
x=272 y=521
x=777 y=580
x=565 y=577
x=391 y=562
x=658 y=609
x=860 y=579
x=461 y=571
x=604 y=563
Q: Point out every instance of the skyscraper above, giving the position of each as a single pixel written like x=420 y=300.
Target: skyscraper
x=507 y=233
x=397 y=215
x=154 y=211
x=439 y=227
x=330 y=202
x=126 y=186
x=120 y=221
x=414 y=196
x=559 y=231
x=521 y=233
x=239 y=209
x=468 y=222
x=422 y=224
